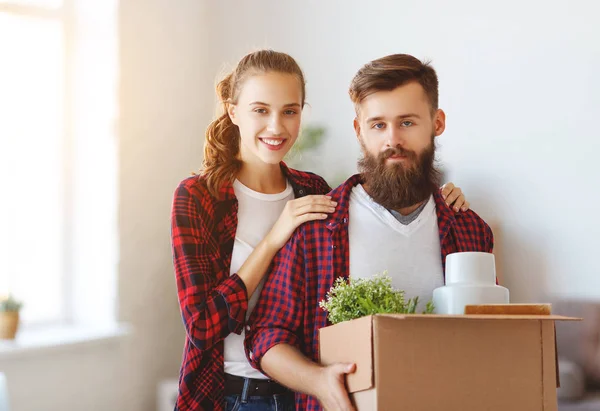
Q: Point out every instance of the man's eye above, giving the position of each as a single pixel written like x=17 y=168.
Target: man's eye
x=407 y=123
x=379 y=126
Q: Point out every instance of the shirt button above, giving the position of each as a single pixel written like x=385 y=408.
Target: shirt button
x=247 y=328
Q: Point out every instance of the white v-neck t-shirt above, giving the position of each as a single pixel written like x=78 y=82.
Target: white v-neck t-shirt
x=257 y=213
x=411 y=254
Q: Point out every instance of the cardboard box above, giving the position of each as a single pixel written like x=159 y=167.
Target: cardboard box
x=446 y=363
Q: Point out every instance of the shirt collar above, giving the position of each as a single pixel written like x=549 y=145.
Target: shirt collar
x=297 y=178
x=341 y=195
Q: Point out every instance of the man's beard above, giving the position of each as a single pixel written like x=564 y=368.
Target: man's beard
x=400 y=184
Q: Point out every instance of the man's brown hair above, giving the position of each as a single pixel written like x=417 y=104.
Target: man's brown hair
x=389 y=72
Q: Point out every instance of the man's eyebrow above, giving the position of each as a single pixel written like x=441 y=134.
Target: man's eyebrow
x=413 y=115
x=408 y=115
x=370 y=119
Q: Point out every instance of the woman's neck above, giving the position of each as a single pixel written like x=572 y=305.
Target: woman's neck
x=263 y=178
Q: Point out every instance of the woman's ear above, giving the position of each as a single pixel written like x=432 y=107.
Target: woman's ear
x=231 y=112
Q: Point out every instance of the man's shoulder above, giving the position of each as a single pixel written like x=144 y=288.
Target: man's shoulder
x=314 y=183
x=473 y=232
x=466 y=220
x=470 y=231
x=471 y=221
x=342 y=192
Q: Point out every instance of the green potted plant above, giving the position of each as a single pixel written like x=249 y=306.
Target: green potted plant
x=9 y=317
x=355 y=298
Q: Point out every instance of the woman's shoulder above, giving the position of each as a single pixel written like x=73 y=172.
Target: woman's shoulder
x=195 y=184
x=195 y=188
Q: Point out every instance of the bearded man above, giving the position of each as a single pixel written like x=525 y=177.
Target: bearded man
x=390 y=217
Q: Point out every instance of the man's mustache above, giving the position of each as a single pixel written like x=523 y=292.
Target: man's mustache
x=397 y=151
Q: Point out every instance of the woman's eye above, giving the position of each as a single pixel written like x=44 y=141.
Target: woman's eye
x=289 y=112
x=260 y=110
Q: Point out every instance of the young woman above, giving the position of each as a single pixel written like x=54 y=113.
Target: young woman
x=229 y=222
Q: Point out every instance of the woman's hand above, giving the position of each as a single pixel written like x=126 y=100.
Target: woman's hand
x=296 y=212
x=454 y=197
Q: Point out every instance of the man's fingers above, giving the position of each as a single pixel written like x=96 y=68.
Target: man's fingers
x=344 y=403
x=344 y=368
x=342 y=399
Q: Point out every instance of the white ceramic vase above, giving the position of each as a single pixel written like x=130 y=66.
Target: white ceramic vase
x=470 y=279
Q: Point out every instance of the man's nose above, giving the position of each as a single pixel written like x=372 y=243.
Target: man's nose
x=395 y=137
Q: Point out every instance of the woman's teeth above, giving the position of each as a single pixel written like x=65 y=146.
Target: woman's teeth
x=272 y=142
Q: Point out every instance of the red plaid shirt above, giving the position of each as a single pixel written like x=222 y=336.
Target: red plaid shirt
x=306 y=268
x=213 y=303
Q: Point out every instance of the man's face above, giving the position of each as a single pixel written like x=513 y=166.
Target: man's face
x=396 y=130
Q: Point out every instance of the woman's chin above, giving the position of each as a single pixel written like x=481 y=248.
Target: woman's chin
x=272 y=158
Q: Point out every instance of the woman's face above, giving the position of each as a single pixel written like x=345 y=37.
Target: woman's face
x=268 y=114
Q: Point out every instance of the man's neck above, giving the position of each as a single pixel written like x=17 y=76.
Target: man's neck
x=410 y=209
x=404 y=210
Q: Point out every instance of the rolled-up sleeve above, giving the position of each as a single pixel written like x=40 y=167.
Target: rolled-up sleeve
x=211 y=310
x=278 y=316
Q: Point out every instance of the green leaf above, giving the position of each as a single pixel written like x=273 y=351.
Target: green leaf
x=355 y=298
x=10 y=304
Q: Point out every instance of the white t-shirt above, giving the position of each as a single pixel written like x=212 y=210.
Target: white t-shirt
x=257 y=213
x=411 y=254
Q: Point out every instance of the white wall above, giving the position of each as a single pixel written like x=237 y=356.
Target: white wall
x=165 y=104
x=165 y=84
x=86 y=377
x=519 y=88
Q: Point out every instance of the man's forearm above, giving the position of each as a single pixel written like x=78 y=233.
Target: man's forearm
x=291 y=368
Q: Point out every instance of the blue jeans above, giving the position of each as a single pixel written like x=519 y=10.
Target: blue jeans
x=279 y=402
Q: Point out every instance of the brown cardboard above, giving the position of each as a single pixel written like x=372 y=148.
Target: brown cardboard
x=358 y=337
x=510 y=309
x=438 y=362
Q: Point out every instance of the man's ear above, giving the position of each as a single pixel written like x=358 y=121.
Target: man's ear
x=357 y=128
x=231 y=112
x=439 y=122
